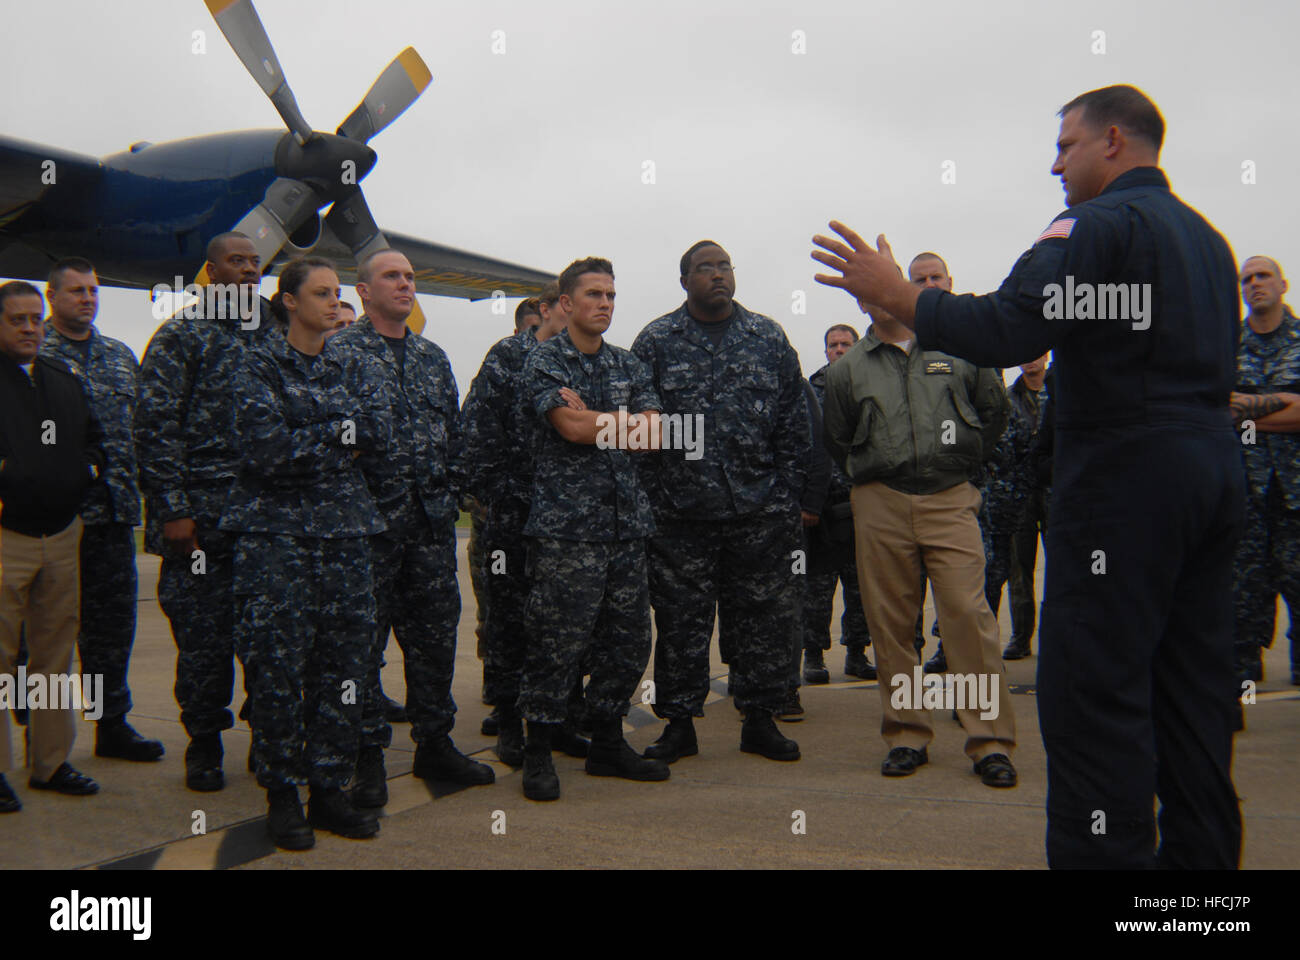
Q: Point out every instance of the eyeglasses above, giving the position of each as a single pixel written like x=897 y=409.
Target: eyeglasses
x=708 y=269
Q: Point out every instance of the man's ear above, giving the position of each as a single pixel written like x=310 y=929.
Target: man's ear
x=682 y=281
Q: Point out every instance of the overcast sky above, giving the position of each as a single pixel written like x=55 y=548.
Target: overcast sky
x=537 y=155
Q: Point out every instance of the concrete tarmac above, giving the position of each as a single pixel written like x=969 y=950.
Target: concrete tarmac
x=720 y=809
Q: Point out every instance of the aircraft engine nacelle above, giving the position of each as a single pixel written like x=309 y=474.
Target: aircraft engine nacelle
x=302 y=240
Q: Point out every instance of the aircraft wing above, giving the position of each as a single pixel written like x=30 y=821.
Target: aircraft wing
x=439 y=270
x=29 y=174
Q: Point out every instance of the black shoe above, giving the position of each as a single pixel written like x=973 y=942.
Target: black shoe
x=760 y=735
x=9 y=802
x=938 y=663
x=918 y=645
x=1295 y=676
x=203 y=764
x=791 y=710
x=996 y=770
x=612 y=756
x=510 y=739
x=540 y=779
x=67 y=781
x=903 y=761
x=491 y=725
x=814 y=666
x=370 y=784
x=440 y=760
x=330 y=809
x=115 y=738
x=284 y=820
x=394 y=712
x=677 y=741
x=1016 y=650
x=856 y=664
x=568 y=741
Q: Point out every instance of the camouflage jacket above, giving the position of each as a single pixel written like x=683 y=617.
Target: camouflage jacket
x=500 y=426
x=303 y=422
x=749 y=392
x=186 y=441
x=107 y=373
x=1010 y=476
x=1268 y=364
x=423 y=468
x=581 y=491
x=841 y=484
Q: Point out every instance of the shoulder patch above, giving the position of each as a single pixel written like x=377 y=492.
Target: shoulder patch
x=1057 y=228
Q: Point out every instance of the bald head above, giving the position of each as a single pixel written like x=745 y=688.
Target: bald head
x=927 y=270
x=1262 y=286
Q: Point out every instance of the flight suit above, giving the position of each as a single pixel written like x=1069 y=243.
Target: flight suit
x=302 y=519
x=728 y=522
x=1136 y=694
x=589 y=518
x=107 y=370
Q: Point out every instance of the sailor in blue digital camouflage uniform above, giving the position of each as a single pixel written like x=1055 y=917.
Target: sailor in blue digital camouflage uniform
x=189 y=452
x=1135 y=293
x=589 y=519
x=1268 y=385
x=417 y=486
x=107 y=370
x=303 y=519
x=727 y=513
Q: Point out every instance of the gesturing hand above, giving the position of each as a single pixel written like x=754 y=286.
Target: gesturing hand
x=871 y=276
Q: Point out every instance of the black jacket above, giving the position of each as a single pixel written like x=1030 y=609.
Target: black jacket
x=49 y=447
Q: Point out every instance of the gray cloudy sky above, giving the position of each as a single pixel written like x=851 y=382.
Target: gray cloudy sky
x=536 y=155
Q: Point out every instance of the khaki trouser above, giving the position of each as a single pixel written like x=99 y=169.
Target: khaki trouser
x=894 y=532
x=40 y=583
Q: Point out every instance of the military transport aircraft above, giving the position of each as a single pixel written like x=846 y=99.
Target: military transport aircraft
x=144 y=216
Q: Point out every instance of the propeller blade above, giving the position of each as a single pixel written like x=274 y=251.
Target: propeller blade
x=351 y=221
x=399 y=86
x=239 y=22
x=285 y=207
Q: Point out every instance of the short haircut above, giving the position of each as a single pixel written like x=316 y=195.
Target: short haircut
x=366 y=268
x=76 y=264
x=549 y=295
x=843 y=328
x=217 y=245
x=527 y=308
x=344 y=305
x=16 y=288
x=569 y=278
x=1121 y=106
x=929 y=256
x=686 y=257
x=1277 y=267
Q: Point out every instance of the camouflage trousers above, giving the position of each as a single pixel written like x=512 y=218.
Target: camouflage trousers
x=586 y=599
x=830 y=567
x=195 y=595
x=108 y=608
x=417 y=597
x=305 y=615
x=476 y=552
x=999 y=540
x=508 y=584
x=1267 y=563
x=742 y=569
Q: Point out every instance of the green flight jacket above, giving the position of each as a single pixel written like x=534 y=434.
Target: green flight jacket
x=920 y=423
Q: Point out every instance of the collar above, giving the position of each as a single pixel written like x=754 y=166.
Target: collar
x=740 y=317
x=278 y=345
x=1138 y=177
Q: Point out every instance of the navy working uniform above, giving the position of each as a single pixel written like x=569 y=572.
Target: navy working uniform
x=189 y=452
x=589 y=520
x=1033 y=406
x=302 y=518
x=107 y=370
x=727 y=522
x=1135 y=680
x=416 y=486
x=1268 y=560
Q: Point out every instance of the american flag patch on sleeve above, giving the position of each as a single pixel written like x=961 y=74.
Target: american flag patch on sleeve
x=1057 y=228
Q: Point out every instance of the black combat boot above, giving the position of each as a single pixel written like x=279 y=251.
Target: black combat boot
x=677 y=741
x=612 y=756
x=856 y=664
x=814 y=666
x=569 y=741
x=510 y=737
x=284 y=820
x=114 y=737
x=938 y=663
x=370 y=784
x=760 y=735
x=791 y=710
x=1016 y=649
x=491 y=725
x=540 y=779
x=330 y=809
x=203 y=763
x=438 y=759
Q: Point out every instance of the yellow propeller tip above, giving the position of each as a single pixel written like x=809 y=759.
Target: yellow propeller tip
x=415 y=68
